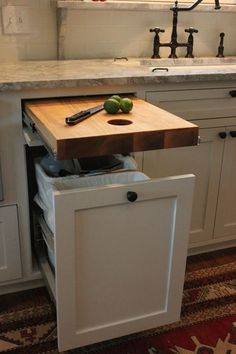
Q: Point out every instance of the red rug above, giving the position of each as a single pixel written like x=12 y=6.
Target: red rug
x=207 y=326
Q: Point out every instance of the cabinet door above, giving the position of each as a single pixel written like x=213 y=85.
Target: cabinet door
x=119 y=264
x=226 y=208
x=204 y=161
x=10 y=262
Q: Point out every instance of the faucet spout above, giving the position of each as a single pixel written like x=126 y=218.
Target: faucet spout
x=189 y=8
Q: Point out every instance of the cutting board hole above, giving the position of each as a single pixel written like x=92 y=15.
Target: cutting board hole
x=120 y=122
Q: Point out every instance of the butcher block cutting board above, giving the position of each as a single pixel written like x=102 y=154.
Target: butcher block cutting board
x=146 y=127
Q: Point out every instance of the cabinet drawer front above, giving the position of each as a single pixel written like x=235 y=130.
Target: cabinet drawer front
x=120 y=264
x=195 y=104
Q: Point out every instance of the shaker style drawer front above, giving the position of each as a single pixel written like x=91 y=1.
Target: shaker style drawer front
x=120 y=254
x=146 y=127
x=196 y=104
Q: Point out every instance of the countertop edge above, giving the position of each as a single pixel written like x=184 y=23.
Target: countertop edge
x=119 y=81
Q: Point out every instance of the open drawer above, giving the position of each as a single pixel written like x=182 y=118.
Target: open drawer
x=146 y=127
x=120 y=252
x=120 y=245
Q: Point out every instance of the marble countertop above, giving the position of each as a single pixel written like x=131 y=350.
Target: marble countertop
x=84 y=73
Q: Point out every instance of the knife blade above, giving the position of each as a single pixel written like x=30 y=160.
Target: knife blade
x=82 y=115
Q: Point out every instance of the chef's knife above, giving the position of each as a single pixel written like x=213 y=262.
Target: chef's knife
x=82 y=115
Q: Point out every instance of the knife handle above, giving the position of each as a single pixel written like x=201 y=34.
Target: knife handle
x=76 y=118
x=80 y=116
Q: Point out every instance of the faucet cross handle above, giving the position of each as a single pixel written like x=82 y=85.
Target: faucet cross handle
x=220 y=53
x=157 y=30
x=191 y=30
x=156 y=43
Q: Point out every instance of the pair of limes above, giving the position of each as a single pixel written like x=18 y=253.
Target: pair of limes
x=115 y=103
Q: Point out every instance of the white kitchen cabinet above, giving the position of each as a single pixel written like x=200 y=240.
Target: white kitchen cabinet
x=213 y=161
x=10 y=261
x=204 y=161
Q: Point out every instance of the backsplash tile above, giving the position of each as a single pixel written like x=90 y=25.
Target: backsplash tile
x=129 y=32
x=107 y=34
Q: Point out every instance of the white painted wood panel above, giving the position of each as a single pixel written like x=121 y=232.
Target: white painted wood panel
x=1 y=187
x=195 y=104
x=226 y=210
x=10 y=261
x=204 y=161
x=120 y=265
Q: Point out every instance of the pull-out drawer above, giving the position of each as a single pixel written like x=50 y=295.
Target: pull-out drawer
x=120 y=252
x=120 y=245
x=196 y=104
x=146 y=127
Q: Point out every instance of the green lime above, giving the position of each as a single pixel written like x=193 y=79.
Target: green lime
x=126 y=105
x=111 y=106
x=116 y=97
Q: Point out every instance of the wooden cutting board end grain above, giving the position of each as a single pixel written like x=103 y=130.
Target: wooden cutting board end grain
x=146 y=127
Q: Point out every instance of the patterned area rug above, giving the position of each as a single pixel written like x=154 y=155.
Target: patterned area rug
x=207 y=326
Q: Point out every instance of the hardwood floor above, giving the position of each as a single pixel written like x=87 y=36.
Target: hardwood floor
x=211 y=259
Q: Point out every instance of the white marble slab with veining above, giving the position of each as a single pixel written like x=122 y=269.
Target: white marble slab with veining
x=95 y=73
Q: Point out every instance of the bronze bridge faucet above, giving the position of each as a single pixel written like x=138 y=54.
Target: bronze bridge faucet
x=174 y=44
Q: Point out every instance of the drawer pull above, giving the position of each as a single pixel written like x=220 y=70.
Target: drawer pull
x=232 y=93
x=232 y=133
x=222 y=135
x=132 y=196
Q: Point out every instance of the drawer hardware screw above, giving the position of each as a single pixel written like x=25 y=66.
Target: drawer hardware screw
x=33 y=127
x=132 y=196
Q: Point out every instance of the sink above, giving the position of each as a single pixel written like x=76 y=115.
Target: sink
x=189 y=62
x=180 y=66
x=180 y=62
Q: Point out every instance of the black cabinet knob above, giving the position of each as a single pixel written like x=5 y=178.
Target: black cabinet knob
x=232 y=93
x=232 y=133
x=132 y=196
x=222 y=135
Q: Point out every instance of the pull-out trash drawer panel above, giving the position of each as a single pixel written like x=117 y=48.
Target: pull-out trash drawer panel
x=146 y=127
x=120 y=253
